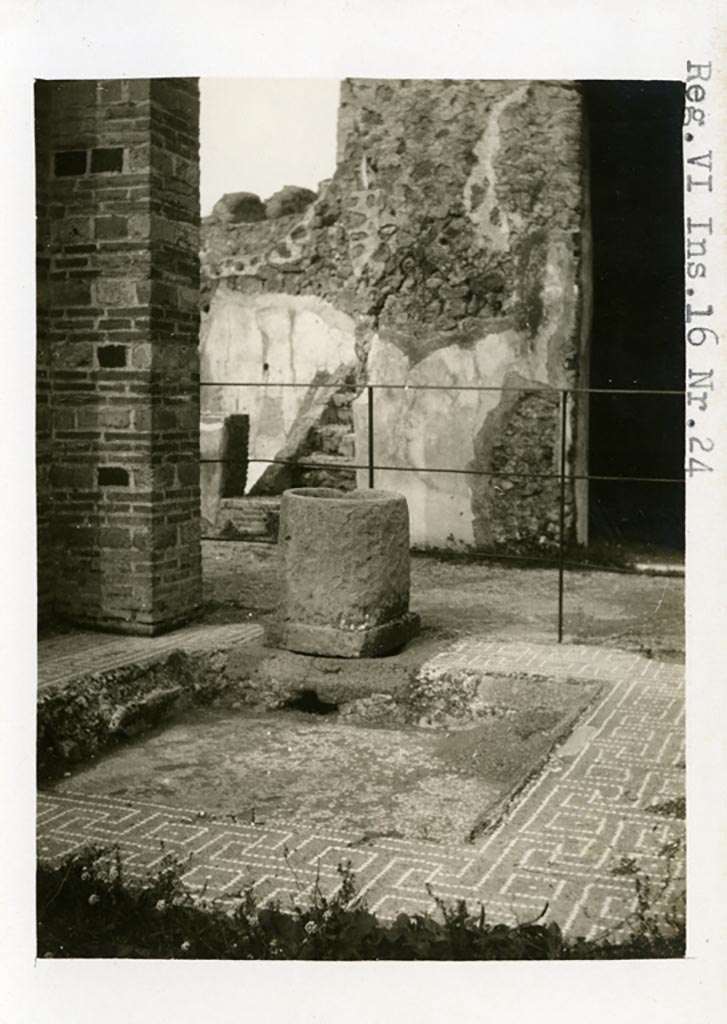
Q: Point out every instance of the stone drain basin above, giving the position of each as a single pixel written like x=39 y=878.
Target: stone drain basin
x=431 y=759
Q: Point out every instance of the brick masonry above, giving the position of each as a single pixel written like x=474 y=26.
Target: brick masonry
x=118 y=406
x=563 y=841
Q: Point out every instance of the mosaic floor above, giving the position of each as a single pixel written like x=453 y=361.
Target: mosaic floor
x=602 y=805
x=66 y=656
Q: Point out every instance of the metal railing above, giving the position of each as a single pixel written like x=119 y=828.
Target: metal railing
x=565 y=395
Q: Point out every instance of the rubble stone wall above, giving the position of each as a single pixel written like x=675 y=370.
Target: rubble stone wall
x=452 y=238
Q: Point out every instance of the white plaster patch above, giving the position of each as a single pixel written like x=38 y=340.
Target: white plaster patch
x=414 y=429
x=272 y=339
x=483 y=175
x=557 y=304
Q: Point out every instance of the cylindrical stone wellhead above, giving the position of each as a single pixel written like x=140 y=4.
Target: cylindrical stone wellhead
x=345 y=573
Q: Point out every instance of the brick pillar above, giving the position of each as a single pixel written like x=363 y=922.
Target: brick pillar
x=121 y=239
x=43 y=422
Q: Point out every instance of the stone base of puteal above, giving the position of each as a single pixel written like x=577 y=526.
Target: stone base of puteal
x=328 y=641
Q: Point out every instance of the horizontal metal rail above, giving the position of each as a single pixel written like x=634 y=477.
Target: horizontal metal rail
x=339 y=467
x=535 y=389
x=562 y=476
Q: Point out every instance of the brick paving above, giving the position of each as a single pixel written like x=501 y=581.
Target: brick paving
x=67 y=656
x=560 y=842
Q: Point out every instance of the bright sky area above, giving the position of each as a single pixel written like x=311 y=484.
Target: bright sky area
x=258 y=134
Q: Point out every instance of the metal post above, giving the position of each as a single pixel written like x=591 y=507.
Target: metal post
x=370 y=396
x=561 y=531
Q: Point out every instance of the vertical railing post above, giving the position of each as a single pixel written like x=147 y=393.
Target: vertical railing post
x=370 y=396
x=561 y=515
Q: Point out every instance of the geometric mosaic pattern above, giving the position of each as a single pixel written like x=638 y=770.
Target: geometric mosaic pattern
x=558 y=844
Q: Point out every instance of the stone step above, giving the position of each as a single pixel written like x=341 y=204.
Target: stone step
x=249 y=518
x=335 y=439
x=329 y=471
x=328 y=460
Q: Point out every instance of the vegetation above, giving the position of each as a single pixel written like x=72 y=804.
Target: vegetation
x=87 y=907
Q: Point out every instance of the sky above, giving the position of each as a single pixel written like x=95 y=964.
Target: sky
x=258 y=134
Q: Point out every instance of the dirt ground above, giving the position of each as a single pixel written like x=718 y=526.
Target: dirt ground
x=455 y=598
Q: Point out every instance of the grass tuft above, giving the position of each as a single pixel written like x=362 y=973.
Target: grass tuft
x=88 y=908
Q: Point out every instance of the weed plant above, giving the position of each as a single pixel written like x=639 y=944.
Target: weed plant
x=87 y=907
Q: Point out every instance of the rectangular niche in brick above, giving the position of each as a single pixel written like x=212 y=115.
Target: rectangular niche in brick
x=107 y=161
x=113 y=476
x=72 y=161
x=111 y=356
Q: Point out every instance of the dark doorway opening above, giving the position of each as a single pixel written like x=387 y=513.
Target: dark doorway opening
x=637 y=338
